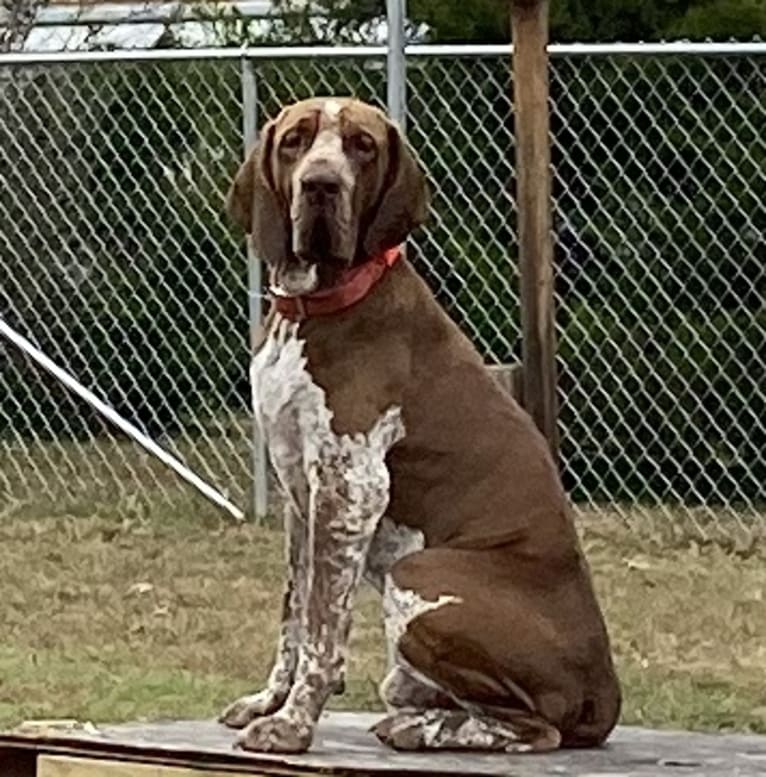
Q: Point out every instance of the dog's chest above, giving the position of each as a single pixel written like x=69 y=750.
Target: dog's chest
x=292 y=413
x=290 y=409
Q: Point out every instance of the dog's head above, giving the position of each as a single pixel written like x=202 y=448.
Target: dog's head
x=330 y=183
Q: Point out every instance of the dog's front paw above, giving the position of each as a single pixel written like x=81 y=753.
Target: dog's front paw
x=276 y=734
x=247 y=708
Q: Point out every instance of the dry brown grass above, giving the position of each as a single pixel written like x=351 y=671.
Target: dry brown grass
x=113 y=619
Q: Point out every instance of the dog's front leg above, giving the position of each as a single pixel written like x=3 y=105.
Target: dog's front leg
x=272 y=697
x=349 y=495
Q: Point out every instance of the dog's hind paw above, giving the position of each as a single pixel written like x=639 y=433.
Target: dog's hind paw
x=438 y=729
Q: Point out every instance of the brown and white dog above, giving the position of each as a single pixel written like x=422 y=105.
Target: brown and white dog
x=402 y=460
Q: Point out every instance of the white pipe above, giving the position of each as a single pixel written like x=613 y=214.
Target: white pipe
x=667 y=48
x=108 y=412
x=704 y=49
x=172 y=55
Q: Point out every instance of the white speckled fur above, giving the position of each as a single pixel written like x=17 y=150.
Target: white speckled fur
x=400 y=606
x=338 y=491
x=403 y=686
x=332 y=109
x=440 y=729
x=391 y=543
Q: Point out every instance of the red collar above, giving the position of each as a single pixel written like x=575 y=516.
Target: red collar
x=354 y=285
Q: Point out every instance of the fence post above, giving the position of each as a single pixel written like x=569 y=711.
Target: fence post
x=254 y=290
x=396 y=11
x=529 y=22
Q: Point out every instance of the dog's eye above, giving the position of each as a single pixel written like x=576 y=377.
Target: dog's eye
x=292 y=140
x=362 y=142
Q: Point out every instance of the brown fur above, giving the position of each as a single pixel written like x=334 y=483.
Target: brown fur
x=476 y=476
x=528 y=643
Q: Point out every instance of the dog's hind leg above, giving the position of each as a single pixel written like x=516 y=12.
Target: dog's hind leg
x=424 y=715
x=449 y=691
x=403 y=689
x=390 y=543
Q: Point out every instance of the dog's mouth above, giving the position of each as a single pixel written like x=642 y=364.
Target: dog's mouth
x=295 y=277
x=314 y=262
x=319 y=244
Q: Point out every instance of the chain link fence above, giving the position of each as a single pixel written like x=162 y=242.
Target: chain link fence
x=118 y=262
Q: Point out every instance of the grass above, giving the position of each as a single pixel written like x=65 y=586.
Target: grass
x=105 y=618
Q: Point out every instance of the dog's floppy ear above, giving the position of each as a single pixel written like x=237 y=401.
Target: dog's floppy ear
x=253 y=201
x=404 y=200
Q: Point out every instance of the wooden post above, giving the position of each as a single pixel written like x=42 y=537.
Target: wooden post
x=529 y=20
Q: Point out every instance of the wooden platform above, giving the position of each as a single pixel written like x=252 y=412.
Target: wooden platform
x=344 y=747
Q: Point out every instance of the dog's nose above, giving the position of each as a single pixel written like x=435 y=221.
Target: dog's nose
x=321 y=183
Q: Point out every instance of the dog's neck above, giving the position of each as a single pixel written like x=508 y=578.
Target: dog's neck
x=353 y=286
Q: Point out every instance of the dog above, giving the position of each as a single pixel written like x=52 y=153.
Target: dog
x=403 y=461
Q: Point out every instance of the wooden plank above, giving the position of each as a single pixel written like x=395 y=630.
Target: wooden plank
x=70 y=766
x=344 y=747
x=532 y=127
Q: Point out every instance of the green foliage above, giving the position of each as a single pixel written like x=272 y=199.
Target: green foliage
x=653 y=20
x=662 y=277
x=666 y=406
x=719 y=19
x=116 y=248
x=461 y=142
x=454 y=21
x=281 y=82
x=118 y=258
x=488 y=21
x=607 y=20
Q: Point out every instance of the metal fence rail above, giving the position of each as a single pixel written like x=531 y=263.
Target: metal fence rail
x=117 y=261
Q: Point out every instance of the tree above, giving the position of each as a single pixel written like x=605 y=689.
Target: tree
x=739 y=19
x=453 y=21
x=487 y=21
x=652 y=20
x=16 y=20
